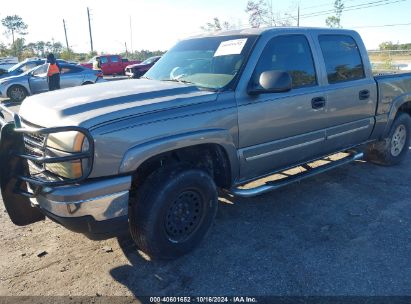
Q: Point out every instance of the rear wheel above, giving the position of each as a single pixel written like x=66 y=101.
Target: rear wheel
x=172 y=211
x=17 y=93
x=393 y=149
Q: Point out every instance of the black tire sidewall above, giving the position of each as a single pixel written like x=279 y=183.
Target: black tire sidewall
x=151 y=209
x=17 y=86
x=402 y=119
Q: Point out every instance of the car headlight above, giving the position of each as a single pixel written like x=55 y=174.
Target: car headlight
x=64 y=144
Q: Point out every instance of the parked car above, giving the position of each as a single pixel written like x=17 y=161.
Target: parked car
x=110 y=64
x=216 y=112
x=139 y=69
x=34 y=81
x=25 y=66
x=6 y=63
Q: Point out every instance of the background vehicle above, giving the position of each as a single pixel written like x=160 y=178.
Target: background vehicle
x=215 y=112
x=110 y=64
x=25 y=66
x=35 y=81
x=6 y=63
x=139 y=69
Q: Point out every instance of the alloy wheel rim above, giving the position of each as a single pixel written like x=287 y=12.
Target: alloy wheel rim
x=17 y=93
x=398 y=140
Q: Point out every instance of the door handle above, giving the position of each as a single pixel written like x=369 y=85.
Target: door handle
x=364 y=94
x=318 y=102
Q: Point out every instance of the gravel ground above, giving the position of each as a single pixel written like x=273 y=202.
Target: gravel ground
x=345 y=232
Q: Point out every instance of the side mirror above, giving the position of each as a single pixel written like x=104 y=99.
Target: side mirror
x=272 y=82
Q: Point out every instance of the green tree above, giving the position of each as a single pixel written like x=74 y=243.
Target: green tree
x=14 y=25
x=18 y=47
x=335 y=21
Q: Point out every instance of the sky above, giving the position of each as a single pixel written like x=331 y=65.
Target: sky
x=159 y=24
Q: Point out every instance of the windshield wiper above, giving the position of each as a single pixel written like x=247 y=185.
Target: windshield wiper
x=144 y=77
x=180 y=81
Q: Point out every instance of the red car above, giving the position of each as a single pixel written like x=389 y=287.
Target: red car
x=110 y=64
x=138 y=70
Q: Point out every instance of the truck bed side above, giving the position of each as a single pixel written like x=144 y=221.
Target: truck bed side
x=394 y=92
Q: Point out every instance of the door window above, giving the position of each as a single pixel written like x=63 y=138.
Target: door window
x=291 y=54
x=342 y=58
x=114 y=59
x=70 y=70
x=103 y=60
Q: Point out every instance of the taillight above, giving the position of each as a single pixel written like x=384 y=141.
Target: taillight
x=99 y=75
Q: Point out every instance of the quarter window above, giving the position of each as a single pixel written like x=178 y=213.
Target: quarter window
x=292 y=54
x=114 y=59
x=342 y=58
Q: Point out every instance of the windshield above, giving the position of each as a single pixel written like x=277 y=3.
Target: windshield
x=210 y=62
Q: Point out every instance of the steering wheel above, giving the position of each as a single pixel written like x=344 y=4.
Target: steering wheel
x=177 y=73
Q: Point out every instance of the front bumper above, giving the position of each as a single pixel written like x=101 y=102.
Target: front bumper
x=92 y=207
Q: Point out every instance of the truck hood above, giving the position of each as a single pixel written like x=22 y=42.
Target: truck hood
x=91 y=105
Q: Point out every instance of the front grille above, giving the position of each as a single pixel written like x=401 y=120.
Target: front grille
x=34 y=144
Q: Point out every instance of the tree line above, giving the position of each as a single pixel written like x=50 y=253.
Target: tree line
x=17 y=29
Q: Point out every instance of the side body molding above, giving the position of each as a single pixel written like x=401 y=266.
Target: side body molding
x=137 y=155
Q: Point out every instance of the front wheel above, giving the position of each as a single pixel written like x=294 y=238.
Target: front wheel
x=393 y=149
x=17 y=93
x=172 y=211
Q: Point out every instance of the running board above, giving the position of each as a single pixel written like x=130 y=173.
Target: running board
x=273 y=185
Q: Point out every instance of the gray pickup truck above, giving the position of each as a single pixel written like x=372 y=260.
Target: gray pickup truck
x=215 y=112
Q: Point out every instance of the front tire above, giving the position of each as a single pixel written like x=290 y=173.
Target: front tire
x=172 y=211
x=393 y=149
x=17 y=93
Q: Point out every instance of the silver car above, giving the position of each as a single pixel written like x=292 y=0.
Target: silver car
x=17 y=88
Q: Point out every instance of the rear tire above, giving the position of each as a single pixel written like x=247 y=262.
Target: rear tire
x=172 y=211
x=17 y=93
x=393 y=149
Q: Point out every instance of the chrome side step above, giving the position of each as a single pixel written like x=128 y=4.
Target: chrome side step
x=273 y=185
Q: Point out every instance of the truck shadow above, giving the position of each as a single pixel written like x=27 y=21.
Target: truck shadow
x=327 y=235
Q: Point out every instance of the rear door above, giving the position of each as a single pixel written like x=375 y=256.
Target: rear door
x=116 y=64
x=351 y=90
x=71 y=76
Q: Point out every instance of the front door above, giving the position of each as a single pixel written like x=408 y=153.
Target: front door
x=38 y=80
x=277 y=130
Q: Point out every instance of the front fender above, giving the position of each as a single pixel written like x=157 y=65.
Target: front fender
x=137 y=155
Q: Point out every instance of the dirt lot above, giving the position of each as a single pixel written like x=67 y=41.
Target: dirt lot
x=346 y=232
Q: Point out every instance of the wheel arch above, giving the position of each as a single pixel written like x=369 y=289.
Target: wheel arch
x=402 y=104
x=212 y=149
x=27 y=90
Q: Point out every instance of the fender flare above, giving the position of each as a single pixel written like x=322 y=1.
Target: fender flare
x=395 y=106
x=137 y=155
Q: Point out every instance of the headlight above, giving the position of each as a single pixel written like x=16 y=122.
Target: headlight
x=64 y=144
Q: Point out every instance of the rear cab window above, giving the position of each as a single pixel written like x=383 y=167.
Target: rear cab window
x=292 y=54
x=342 y=58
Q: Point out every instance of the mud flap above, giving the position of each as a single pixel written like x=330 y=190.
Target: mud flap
x=17 y=206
